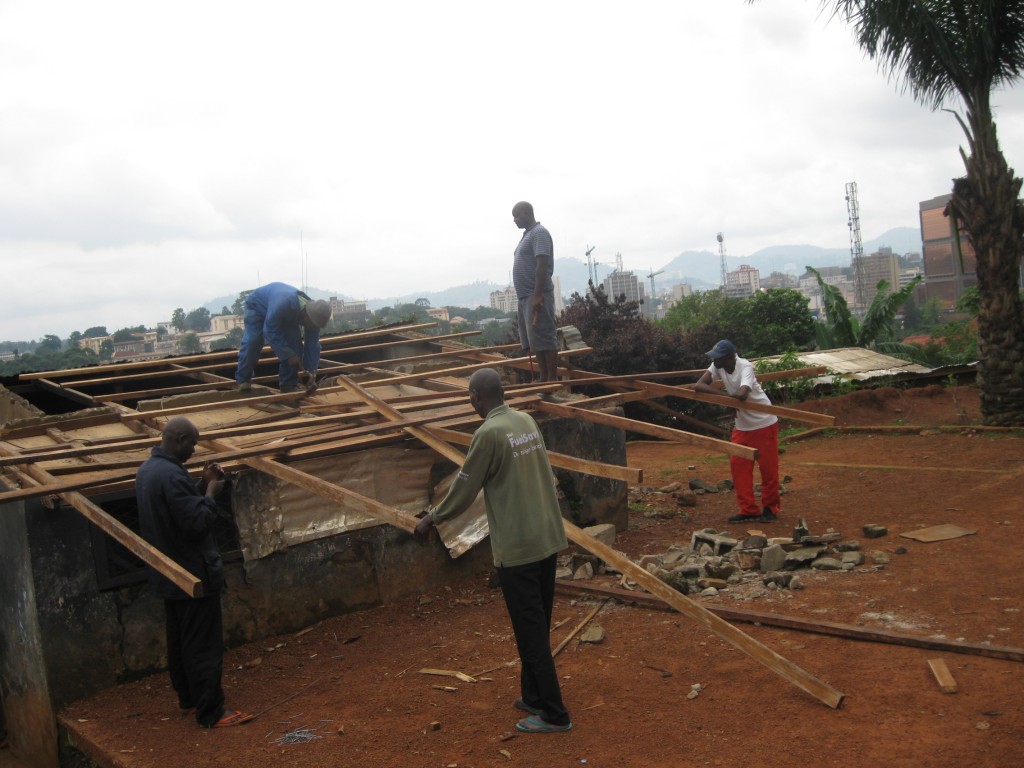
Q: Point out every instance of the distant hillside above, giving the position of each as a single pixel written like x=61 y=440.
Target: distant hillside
x=705 y=266
x=471 y=295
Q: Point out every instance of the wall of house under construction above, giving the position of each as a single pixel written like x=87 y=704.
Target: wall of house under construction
x=64 y=636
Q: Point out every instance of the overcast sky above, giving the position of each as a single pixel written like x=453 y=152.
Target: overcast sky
x=158 y=155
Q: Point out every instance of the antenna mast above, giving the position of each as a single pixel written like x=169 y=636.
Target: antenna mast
x=721 y=253
x=856 y=246
x=591 y=265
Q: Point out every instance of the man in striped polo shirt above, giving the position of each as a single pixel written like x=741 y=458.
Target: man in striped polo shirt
x=535 y=292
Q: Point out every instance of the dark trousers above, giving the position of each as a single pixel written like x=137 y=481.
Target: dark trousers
x=195 y=655
x=529 y=592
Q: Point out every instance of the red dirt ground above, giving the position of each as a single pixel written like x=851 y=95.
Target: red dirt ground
x=358 y=684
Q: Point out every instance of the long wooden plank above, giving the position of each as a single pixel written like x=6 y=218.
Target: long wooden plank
x=803 y=625
x=270 y=359
x=793 y=414
x=326 y=342
x=124 y=535
x=581 y=377
x=391 y=414
x=628 y=475
x=654 y=430
x=713 y=623
x=461 y=370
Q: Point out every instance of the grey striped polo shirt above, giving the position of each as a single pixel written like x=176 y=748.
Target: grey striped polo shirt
x=536 y=241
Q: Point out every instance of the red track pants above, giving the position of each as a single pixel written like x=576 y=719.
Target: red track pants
x=766 y=441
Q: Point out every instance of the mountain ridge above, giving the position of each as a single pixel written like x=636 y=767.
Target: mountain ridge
x=701 y=269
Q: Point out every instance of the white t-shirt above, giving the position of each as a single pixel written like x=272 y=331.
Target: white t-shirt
x=743 y=375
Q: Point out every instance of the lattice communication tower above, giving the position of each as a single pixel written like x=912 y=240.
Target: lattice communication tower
x=721 y=253
x=856 y=245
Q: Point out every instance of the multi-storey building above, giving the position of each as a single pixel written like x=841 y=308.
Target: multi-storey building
x=949 y=261
x=505 y=301
x=624 y=283
x=348 y=311
x=743 y=281
x=881 y=265
x=224 y=323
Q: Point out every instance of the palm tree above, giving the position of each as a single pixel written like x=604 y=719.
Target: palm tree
x=946 y=49
x=842 y=329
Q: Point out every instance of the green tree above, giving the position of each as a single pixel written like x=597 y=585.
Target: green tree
x=106 y=349
x=178 y=319
x=622 y=340
x=96 y=332
x=198 y=320
x=74 y=340
x=931 y=313
x=701 y=308
x=50 y=345
x=124 y=334
x=948 y=50
x=774 y=321
x=232 y=340
x=190 y=344
x=238 y=308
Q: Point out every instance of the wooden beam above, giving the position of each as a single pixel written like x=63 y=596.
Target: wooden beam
x=628 y=475
x=124 y=535
x=654 y=430
x=391 y=414
x=326 y=342
x=713 y=623
x=792 y=414
x=270 y=359
x=803 y=625
x=461 y=370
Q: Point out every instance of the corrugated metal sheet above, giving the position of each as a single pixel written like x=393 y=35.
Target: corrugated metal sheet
x=859 y=364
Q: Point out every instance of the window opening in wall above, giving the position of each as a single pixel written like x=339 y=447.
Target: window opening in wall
x=117 y=566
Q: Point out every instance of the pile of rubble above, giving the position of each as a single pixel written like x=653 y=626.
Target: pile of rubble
x=717 y=562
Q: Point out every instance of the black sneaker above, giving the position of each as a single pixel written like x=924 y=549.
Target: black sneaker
x=767 y=516
x=746 y=519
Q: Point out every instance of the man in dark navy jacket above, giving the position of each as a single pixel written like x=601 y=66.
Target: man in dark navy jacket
x=177 y=517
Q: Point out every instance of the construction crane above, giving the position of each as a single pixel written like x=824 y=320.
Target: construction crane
x=721 y=254
x=651 y=276
x=856 y=246
x=591 y=265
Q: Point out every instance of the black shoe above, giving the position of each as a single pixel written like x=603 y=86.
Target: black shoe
x=767 y=516
x=745 y=519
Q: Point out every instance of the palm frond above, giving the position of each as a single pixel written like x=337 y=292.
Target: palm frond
x=840 y=322
x=878 y=319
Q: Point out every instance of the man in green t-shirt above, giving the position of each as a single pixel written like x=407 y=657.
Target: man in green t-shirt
x=508 y=460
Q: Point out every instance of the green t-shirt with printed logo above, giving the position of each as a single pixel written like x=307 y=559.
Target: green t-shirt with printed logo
x=509 y=461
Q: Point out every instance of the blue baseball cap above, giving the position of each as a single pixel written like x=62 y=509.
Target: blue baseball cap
x=723 y=348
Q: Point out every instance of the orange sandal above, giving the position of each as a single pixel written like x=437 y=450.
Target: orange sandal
x=230 y=718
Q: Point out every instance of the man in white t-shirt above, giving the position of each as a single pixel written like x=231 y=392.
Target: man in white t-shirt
x=753 y=428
